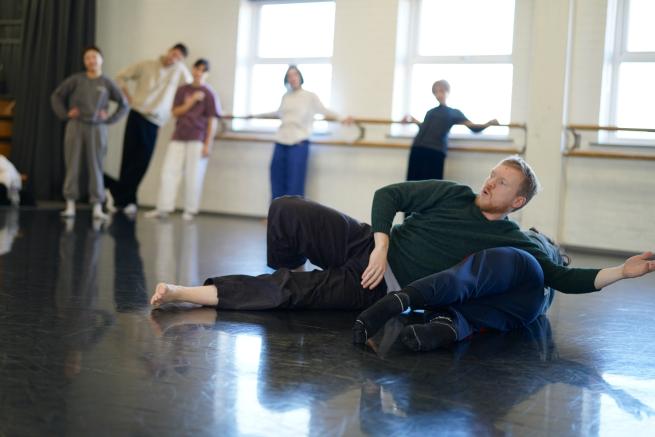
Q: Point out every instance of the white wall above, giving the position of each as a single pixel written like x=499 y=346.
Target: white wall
x=558 y=57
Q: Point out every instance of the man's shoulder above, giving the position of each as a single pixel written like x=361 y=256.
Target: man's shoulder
x=456 y=187
x=444 y=189
x=77 y=77
x=109 y=81
x=455 y=111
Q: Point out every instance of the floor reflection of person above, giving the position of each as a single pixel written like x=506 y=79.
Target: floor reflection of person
x=82 y=323
x=129 y=278
x=177 y=265
x=521 y=363
x=8 y=229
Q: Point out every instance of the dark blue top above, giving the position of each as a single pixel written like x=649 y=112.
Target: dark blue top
x=433 y=132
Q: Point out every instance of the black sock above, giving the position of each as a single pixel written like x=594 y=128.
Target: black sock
x=439 y=332
x=372 y=319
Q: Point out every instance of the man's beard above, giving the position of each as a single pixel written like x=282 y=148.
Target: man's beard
x=488 y=208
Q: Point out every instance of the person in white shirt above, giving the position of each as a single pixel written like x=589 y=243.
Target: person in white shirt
x=296 y=112
x=155 y=84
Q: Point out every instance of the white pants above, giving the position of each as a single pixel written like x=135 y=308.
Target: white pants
x=182 y=157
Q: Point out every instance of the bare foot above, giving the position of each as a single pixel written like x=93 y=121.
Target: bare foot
x=164 y=293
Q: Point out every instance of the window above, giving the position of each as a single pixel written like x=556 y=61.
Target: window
x=629 y=70
x=468 y=43
x=272 y=35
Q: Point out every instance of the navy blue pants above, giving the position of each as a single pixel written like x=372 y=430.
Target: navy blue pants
x=500 y=288
x=138 y=145
x=289 y=169
x=425 y=163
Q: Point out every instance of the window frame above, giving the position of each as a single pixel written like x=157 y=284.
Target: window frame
x=413 y=58
x=617 y=39
x=252 y=59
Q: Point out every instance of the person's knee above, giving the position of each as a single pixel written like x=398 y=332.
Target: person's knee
x=515 y=258
x=285 y=205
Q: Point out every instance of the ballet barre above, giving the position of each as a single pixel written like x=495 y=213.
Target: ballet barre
x=574 y=149
x=359 y=141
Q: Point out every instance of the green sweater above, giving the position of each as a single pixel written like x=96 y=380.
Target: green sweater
x=443 y=225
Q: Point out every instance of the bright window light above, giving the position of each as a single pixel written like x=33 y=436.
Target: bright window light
x=469 y=43
x=634 y=88
x=466 y=27
x=283 y=33
x=641 y=32
x=296 y=30
x=481 y=91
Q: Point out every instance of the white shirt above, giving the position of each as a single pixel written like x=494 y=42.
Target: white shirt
x=10 y=178
x=297 y=111
x=155 y=86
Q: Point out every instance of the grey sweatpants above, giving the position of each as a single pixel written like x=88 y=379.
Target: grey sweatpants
x=89 y=142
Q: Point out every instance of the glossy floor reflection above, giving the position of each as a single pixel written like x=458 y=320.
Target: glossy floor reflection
x=82 y=354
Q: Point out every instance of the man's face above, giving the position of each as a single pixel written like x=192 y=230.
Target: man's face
x=199 y=73
x=92 y=60
x=173 y=56
x=499 y=193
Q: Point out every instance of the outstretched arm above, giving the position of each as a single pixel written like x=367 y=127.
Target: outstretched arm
x=633 y=267
x=480 y=127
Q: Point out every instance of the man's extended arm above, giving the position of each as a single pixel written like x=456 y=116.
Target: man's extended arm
x=633 y=267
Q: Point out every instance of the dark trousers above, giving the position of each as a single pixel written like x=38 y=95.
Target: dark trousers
x=500 y=288
x=425 y=163
x=300 y=230
x=289 y=169
x=138 y=145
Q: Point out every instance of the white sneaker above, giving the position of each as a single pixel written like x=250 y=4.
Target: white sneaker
x=110 y=205
x=68 y=213
x=155 y=213
x=187 y=216
x=98 y=213
x=130 y=209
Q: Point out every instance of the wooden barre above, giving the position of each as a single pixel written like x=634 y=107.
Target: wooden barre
x=589 y=127
x=372 y=144
x=608 y=155
x=357 y=120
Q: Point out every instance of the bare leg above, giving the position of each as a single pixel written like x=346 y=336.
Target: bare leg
x=202 y=295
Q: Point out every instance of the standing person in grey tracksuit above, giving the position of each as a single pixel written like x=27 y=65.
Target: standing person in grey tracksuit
x=83 y=100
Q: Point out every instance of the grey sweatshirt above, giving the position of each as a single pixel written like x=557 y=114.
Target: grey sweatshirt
x=89 y=96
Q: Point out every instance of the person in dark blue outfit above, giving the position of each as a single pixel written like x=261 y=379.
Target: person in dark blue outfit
x=430 y=146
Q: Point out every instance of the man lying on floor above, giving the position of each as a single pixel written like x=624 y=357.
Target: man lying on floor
x=455 y=250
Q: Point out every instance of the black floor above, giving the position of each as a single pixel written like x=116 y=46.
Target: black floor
x=82 y=354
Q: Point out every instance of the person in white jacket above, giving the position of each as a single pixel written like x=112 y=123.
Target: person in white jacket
x=291 y=153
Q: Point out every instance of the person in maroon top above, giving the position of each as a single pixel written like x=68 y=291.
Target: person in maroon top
x=196 y=108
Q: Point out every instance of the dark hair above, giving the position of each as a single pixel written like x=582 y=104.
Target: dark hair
x=202 y=61
x=286 y=75
x=182 y=48
x=441 y=83
x=89 y=48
